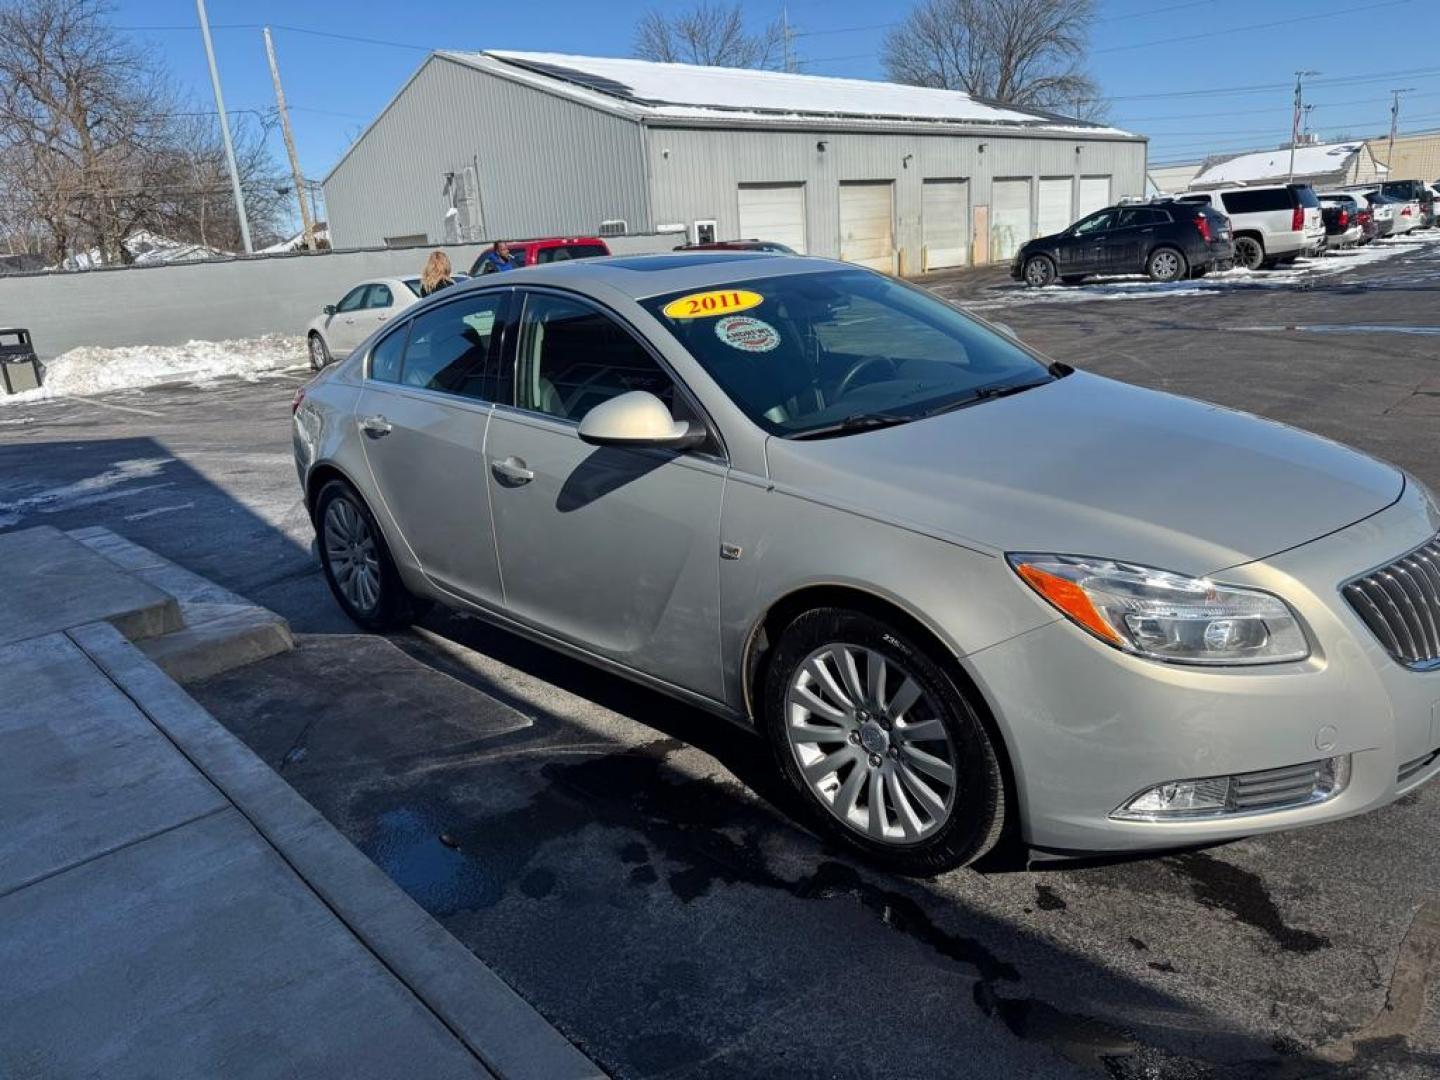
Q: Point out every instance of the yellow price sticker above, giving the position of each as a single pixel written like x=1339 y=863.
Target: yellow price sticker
x=707 y=305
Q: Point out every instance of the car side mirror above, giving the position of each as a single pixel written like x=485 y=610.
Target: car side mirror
x=637 y=419
x=329 y=309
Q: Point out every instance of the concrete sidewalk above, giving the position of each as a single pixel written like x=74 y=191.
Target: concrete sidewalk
x=170 y=907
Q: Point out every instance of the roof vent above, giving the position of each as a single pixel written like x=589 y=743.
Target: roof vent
x=613 y=227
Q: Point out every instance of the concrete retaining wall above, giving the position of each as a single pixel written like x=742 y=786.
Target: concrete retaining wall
x=213 y=301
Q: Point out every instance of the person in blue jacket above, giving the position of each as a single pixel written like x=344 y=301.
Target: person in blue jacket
x=498 y=259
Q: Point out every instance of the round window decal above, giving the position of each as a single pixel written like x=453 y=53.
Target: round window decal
x=747 y=334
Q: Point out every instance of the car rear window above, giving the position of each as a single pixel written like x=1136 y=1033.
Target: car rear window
x=1307 y=195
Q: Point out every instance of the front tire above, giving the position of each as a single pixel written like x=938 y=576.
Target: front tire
x=1039 y=271
x=357 y=563
x=319 y=352
x=1165 y=265
x=887 y=753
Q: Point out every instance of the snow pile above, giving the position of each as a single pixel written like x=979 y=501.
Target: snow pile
x=93 y=369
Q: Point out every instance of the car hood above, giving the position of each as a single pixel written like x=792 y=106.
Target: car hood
x=1089 y=466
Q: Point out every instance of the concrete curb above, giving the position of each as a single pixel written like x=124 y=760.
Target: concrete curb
x=512 y=1040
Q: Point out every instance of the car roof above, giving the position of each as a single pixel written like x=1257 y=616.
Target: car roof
x=642 y=276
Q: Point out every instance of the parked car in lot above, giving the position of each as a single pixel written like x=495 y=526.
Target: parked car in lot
x=539 y=252
x=1166 y=239
x=1382 y=211
x=355 y=316
x=773 y=247
x=1343 y=225
x=1270 y=225
x=1413 y=191
x=954 y=584
x=1404 y=213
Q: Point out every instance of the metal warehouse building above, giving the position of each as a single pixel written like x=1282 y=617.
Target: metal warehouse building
x=900 y=178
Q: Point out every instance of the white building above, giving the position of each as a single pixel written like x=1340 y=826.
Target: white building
x=902 y=178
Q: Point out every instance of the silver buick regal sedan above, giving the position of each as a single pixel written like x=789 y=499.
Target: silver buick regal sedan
x=957 y=587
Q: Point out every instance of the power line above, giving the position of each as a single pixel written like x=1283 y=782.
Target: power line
x=1233 y=30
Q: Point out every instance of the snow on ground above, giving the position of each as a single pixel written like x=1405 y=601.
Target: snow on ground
x=92 y=369
x=1139 y=287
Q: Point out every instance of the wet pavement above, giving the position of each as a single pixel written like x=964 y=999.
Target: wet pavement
x=630 y=865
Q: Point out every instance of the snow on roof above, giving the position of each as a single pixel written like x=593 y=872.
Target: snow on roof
x=692 y=91
x=1275 y=164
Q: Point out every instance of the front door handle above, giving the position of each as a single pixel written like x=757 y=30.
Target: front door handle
x=377 y=427
x=512 y=472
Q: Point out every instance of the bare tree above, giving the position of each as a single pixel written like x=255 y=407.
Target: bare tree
x=708 y=33
x=95 y=144
x=1016 y=52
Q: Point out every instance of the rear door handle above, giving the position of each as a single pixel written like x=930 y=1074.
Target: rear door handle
x=376 y=427
x=512 y=472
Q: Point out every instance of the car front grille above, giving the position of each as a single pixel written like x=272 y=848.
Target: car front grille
x=1275 y=788
x=1420 y=764
x=1400 y=603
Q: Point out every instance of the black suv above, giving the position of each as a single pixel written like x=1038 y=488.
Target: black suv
x=1164 y=238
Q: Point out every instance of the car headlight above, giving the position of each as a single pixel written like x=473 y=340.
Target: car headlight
x=1165 y=616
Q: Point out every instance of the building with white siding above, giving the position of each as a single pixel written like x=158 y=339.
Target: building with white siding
x=905 y=179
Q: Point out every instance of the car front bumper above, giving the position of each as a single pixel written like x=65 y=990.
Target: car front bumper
x=1088 y=727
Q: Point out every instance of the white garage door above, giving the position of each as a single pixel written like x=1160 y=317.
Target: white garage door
x=944 y=212
x=1055 y=209
x=866 y=234
x=773 y=212
x=1094 y=194
x=1009 y=218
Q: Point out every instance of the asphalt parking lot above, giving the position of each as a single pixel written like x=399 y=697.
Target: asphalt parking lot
x=627 y=863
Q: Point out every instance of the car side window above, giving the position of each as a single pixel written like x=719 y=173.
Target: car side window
x=1096 y=223
x=451 y=346
x=572 y=357
x=385 y=356
x=1140 y=215
x=379 y=297
x=354 y=299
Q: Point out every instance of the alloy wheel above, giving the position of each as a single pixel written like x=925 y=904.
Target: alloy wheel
x=1165 y=265
x=317 y=353
x=352 y=555
x=1248 y=253
x=1038 y=272
x=871 y=743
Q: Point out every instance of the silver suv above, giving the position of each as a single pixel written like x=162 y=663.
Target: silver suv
x=1270 y=225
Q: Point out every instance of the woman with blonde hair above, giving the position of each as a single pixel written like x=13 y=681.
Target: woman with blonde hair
x=437 y=274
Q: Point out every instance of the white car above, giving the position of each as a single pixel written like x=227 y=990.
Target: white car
x=340 y=327
x=1273 y=224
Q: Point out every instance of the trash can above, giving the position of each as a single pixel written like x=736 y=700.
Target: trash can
x=19 y=367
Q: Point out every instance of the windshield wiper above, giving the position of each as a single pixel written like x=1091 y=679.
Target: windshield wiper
x=988 y=393
x=854 y=422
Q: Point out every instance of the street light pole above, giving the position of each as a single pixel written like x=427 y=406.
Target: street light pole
x=225 y=129
x=1394 y=120
x=1299 y=112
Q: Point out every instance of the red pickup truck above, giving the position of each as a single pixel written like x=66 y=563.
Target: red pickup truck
x=549 y=249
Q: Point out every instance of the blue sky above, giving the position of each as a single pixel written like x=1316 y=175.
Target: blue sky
x=1182 y=93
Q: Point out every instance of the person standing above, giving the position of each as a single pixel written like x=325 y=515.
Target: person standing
x=498 y=259
x=437 y=273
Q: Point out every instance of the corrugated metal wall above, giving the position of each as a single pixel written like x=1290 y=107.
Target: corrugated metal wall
x=696 y=173
x=546 y=166
x=1417 y=157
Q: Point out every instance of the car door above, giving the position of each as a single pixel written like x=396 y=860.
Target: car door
x=1090 y=239
x=613 y=549
x=1130 y=241
x=342 y=330
x=423 y=413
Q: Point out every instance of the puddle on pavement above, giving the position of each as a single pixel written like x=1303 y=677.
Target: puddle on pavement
x=1338 y=328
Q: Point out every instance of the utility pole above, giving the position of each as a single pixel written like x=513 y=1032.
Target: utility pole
x=786 y=36
x=1299 y=112
x=1394 y=121
x=305 y=220
x=1305 y=128
x=225 y=130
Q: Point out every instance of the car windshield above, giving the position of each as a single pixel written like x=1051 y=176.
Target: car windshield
x=835 y=349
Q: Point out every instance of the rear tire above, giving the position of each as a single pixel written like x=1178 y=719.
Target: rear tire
x=1165 y=265
x=1249 y=252
x=357 y=563
x=1039 y=271
x=857 y=712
